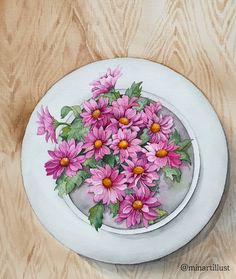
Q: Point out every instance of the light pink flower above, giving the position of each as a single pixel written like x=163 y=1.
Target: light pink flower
x=125 y=118
x=159 y=127
x=138 y=208
x=105 y=82
x=96 y=143
x=125 y=143
x=46 y=125
x=140 y=173
x=96 y=113
x=107 y=184
x=65 y=157
x=162 y=154
x=125 y=102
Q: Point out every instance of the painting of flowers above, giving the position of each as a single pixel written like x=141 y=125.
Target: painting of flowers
x=118 y=144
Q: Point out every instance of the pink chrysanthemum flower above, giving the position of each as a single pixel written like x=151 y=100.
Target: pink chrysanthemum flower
x=105 y=82
x=140 y=173
x=125 y=143
x=125 y=119
x=162 y=154
x=138 y=208
x=125 y=102
x=46 y=125
x=107 y=184
x=96 y=143
x=159 y=127
x=96 y=113
x=65 y=157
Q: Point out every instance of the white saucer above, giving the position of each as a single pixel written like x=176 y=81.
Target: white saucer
x=106 y=245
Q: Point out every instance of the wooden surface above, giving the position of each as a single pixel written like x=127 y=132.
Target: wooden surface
x=40 y=42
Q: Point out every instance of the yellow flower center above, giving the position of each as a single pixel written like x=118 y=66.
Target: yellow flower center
x=124 y=120
x=96 y=113
x=98 y=144
x=64 y=162
x=137 y=204
x=161 y=153
x=123 y=144
x=138 y=170
x=155 y=127
x=107 y=183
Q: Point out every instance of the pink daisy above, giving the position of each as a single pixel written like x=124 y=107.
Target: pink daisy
x=162 y=153
x=96 y=113
x=46 y=125
x=125 y=102
x=67 y=158
x=125 y=143
x=139 y=172
x=105 y=82
x=125 y=119
x=96 y=143
x=107 y=184
x=159 y=127
x=138 y=208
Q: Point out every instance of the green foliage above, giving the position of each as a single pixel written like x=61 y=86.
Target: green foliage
x=96 y=215
x=173 y=174
x=110 y=159
x=129 y=191
x=162 y=213
x=183 y=146
x=76 y=130
x=144 y=136
x=66 y=184
x=75 y=109
x=135 y=90
x=90 y=162
x=112 y=95
x=114 y=208
x=143 y=102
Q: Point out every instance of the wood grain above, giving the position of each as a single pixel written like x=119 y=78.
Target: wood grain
x=40 y=42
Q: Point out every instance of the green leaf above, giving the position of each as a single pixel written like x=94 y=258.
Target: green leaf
x=135 y=90
x=66 y=184
x=129 y=191
x=65 y=131
x=162 y=213
x=184 y=156
x=144 y=136
x=96 y=215
x=114 y=208
x=90 y=162
x=184 y=145
x=175 y=137
x=110 y=160
x=112 y=95
x=172 y=173
x=143 y=102
x=76 y=131
x=75 y=109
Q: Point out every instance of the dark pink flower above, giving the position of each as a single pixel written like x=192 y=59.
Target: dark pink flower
x=125 y=102
x=105 y=82
x=46 y=125
x=96 y=113
x=162 y=154
x=159 y=127
x=125 y=143
x=125 y=118
x=139 y=172
x=96 y=143
x=138 y=208
x=107 y=184
x=65 y=157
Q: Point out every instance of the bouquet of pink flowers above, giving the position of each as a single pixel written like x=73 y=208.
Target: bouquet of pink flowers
x=119 y=145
